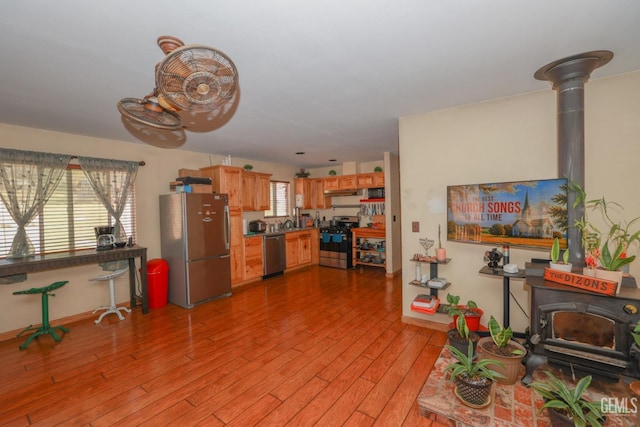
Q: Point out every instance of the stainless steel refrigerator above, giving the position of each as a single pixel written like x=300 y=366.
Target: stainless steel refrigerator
x=195 y=240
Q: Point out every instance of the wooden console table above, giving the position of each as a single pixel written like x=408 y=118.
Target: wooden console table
x=90 y=256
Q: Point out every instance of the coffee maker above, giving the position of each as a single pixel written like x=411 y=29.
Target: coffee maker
x=104 y=237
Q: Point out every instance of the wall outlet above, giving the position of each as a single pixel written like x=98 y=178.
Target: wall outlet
x=415 y=226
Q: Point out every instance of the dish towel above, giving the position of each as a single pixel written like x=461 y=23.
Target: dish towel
x=337 y=238
x=326 y=237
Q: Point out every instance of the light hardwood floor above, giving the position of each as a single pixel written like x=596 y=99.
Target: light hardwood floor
x=317 y=346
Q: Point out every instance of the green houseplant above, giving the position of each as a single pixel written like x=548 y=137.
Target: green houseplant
x=500 y=346
x=567 y=406
x=607 y=249
x=470 y=311
x=556 y=263
x=460 y=335
x=473 y=379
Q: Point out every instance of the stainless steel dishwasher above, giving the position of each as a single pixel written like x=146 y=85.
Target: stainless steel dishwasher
x=275 y=256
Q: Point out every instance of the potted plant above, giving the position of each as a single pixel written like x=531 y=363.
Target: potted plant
x=501 y=347
x=441 y=253
x=473 y=379
x=556 y=263
x=470 y=311
x=248 y=167
x=460 y=335
x=607 y=250
x=566 y=406
x=377 y=169
x=332 y=172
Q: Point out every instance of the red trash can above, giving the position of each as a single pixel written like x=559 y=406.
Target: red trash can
x=158 y=282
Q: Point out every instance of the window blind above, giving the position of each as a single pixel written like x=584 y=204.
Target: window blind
x=279 y=195
x=66 y=221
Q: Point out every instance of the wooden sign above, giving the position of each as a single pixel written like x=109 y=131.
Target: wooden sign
x=586 y=283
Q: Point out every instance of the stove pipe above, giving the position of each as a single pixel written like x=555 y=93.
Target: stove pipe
x=568 y=76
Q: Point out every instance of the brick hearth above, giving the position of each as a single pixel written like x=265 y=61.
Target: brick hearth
x=511 y=406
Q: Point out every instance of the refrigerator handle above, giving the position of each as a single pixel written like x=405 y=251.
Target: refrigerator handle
x=227 y=227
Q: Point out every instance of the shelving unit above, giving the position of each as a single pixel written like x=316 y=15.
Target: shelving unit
x=433 y=272
x=369 y=246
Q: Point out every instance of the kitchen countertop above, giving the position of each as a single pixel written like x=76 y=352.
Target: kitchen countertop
x=274 y=233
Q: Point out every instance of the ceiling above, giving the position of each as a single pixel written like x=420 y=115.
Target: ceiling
x=328 y=78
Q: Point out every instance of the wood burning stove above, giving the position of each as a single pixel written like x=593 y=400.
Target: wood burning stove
x=584 y=331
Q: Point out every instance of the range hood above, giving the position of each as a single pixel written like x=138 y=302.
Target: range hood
x=334 y=193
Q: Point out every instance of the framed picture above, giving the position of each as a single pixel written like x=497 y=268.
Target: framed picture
x=520 y=213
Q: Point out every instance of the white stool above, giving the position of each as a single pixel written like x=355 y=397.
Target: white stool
x=112 y=308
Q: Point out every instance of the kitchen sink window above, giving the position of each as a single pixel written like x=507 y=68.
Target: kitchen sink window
x=279 y=195
x=60 y=208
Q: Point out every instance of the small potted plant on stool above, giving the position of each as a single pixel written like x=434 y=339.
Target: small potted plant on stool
x=473 y=379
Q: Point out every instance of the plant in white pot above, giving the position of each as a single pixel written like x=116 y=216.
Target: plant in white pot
x=608 y=249
x=556 y=263
x=500 y=346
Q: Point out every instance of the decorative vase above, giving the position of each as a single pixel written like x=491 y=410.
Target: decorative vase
x=512 y=363
x=560 y=267
x=441 y=254
x=613 y=276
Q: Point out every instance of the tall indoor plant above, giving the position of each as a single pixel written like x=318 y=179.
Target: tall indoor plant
x=606 y=247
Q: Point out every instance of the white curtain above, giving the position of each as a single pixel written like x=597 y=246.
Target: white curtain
x=111 y=180
x=27 y=181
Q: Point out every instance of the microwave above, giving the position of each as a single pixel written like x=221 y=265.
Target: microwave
x=375 y=193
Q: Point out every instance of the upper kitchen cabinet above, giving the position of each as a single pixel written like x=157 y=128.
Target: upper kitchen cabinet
x=312 y=191
x=226 y=180
x=370 y=180
x=343 y=182
x=255 y=191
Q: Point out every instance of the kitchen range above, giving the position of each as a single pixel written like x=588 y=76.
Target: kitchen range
x=336 y=242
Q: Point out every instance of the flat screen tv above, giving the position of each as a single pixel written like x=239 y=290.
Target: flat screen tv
x=521 y=213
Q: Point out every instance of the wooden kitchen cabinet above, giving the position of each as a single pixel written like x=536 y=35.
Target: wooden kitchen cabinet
x=342 y=182
x=253 y=257
x=255 y=191
x=312 y=191
x=304 y=248
x=292 y=243
x=226 y=180
x=370 y=180
x=302 y=186
x=315 y=246
x=237 y=248
x=298 y=248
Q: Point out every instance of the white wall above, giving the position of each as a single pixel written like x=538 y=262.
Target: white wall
x=509 y=139
x=80 y=295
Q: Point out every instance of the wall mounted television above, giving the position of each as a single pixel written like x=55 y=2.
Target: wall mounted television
x=520 y=213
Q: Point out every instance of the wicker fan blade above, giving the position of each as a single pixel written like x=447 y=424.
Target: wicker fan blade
x=196 y=78
x=150 y=113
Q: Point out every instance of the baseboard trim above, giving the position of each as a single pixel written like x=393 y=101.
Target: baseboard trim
x=425 y=323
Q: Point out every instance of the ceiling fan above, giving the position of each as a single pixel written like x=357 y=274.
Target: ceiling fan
x=193 y=78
